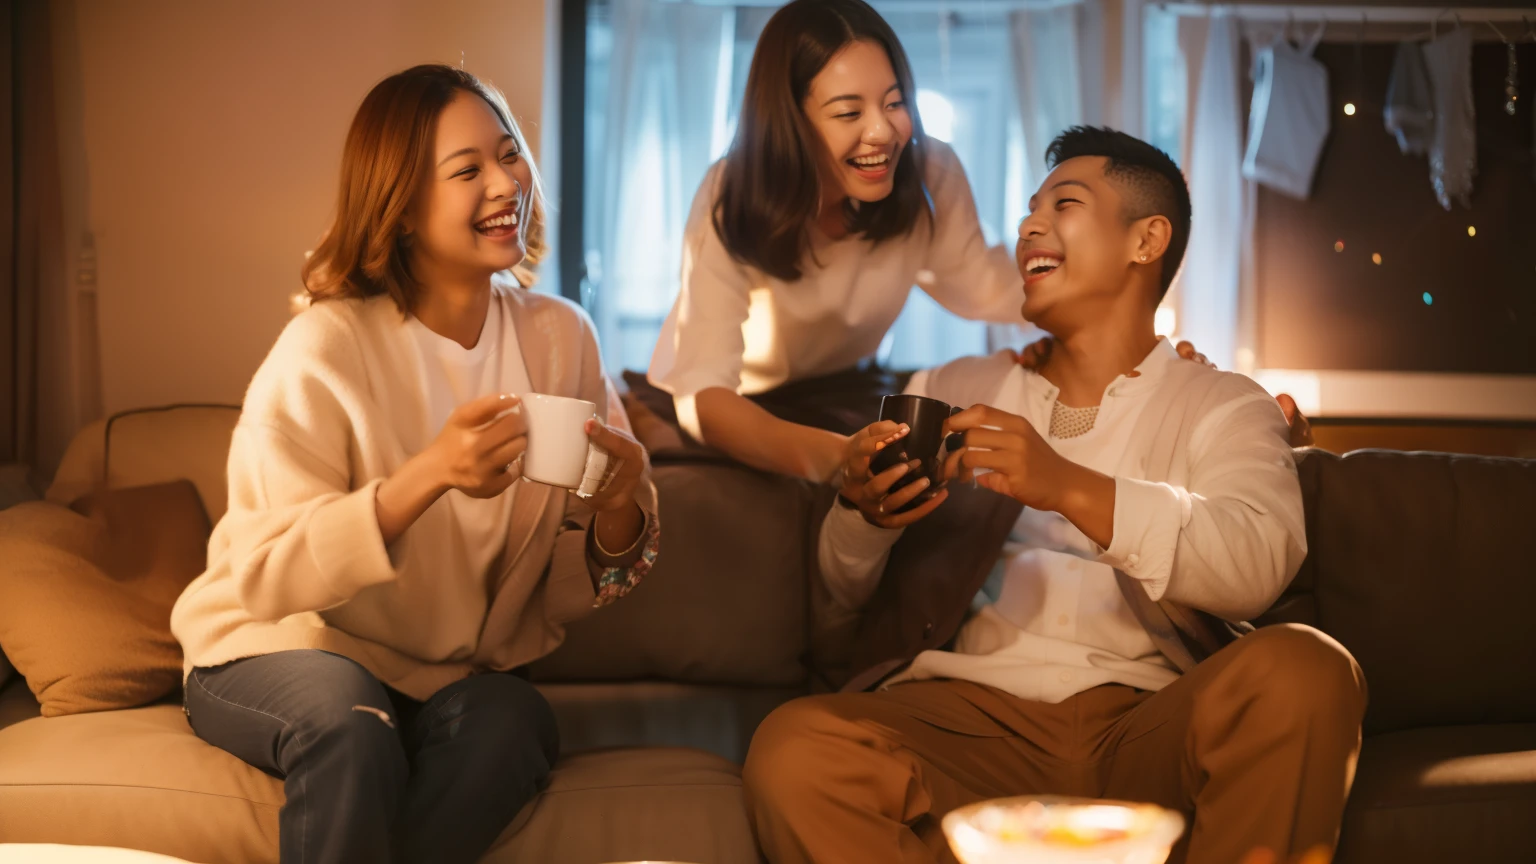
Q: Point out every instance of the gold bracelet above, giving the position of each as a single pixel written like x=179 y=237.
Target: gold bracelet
x=645 y=522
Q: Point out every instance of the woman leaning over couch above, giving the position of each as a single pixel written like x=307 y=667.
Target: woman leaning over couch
x=381 y=576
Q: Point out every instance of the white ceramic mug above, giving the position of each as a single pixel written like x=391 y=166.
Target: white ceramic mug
x=559 y=452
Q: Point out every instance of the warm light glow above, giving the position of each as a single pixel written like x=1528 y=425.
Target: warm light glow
x=1471 y=230
x=1429 y=299
x=1338 y=246
x=1166 y=321
x=1304 y=387
x=1375 y=257
x=1349 y=109
x=1245 y=362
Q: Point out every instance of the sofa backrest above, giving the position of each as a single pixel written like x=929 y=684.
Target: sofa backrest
x=727 y=600
x=1416 y=563
x=148 y=446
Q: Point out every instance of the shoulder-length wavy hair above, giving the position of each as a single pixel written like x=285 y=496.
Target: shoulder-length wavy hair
x=770 y=188
x=387 y=155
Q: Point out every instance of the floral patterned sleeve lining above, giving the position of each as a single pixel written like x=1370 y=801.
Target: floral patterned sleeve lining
x=615 y=582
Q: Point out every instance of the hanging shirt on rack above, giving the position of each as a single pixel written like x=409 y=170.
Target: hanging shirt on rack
x=1288 y=122
x=1410 y=114
x=1453 y=153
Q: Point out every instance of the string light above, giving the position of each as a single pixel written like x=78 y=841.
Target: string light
x=1471 y=230
x=1338 y=246
x=1375 y=257
x=1429 y=299
x=1349 y=109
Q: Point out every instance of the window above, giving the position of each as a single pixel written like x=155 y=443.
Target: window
x=1370 y=273
x=664 y=82
x=1166 y=88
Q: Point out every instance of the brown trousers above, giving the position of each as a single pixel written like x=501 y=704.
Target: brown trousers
x=1256 y=746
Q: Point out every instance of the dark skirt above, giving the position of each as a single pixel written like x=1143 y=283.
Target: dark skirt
x=842 y=402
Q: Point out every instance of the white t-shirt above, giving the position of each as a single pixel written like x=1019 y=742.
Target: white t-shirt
x=735 y=327
x=452 y=375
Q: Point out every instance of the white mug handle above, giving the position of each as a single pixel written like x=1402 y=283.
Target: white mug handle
x=592 y=477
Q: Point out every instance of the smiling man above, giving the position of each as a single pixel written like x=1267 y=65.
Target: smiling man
x=1157 y=507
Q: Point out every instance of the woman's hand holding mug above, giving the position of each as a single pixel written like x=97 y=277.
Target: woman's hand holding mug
x=871 y=494
x=479 y=447
x=478 y=452
x=626 y=462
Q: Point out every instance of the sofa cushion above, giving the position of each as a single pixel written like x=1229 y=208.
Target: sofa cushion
x=156 y=536
x=1414 y=564
x=141 y=779
x=1444 y=794
x=657 y=804
x=85 y=602
x=726 y=602
x=138 y=778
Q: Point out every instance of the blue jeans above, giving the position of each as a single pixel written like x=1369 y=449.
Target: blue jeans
x=370 y=774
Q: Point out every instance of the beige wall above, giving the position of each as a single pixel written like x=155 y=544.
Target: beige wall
x=201 y=144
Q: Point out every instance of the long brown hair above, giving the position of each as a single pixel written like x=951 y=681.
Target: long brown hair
x=387 y=153
x=769 y=188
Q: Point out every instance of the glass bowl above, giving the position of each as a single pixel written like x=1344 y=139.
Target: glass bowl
x=1056 y=830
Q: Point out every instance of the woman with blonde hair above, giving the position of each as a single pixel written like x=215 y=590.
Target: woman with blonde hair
x=381 y=576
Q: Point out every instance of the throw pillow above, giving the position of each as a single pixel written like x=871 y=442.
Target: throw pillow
x=86 y=594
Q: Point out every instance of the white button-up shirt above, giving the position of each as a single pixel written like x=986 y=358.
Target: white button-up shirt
x=736 y=327
x=1055 y=623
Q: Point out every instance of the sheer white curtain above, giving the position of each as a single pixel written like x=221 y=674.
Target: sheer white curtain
x=1048 y=79
x=1214 y=312
x=663 y=123
x=966 y=103
x=1047 y=50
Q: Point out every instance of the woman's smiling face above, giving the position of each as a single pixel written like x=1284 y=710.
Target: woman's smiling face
x=474 y=203
x=858 y=109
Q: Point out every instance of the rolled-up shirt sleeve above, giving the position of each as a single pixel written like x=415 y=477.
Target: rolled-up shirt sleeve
x=1230 y=539
x=701 y=342
x=852 y=554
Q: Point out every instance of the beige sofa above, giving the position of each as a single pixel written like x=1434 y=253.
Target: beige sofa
x=650 y=766
x=1414 y=565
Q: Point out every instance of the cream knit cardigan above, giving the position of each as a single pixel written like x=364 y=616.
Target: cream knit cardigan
x=298 y=560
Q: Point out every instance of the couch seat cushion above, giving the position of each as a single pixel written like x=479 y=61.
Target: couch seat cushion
x=654 y=803
x=1461 y=793
x=141 y=779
